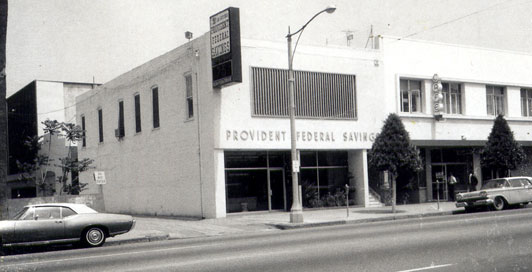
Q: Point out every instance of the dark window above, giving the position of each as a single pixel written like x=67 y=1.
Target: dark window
x=155 y=94
x=121 y=125
x=84 y=141
x=190 y=104
x=100 y=124
x=138 y=127
x=526 y=102
x=67 y=212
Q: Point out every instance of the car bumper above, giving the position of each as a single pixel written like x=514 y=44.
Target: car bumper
x=476 y=203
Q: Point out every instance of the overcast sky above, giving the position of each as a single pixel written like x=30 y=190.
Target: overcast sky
x=69 y=40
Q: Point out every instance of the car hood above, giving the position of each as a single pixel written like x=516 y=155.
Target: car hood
x=477 y=193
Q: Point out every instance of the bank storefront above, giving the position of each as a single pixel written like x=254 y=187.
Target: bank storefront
x=261 y=180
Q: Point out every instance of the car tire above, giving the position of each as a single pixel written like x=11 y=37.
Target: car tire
x=499 y=204
x=93 y=237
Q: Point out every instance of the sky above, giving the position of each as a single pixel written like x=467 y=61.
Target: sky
x=97 y=40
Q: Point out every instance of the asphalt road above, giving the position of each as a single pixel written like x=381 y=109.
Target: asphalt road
x=485 y=241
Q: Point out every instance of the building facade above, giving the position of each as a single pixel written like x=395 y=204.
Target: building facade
x=171 y=144
x=28 y=108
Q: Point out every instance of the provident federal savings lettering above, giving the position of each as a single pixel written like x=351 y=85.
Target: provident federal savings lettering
x=301 y=136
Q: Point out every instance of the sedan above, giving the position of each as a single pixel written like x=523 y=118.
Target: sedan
x=498 y=194
x=62 y=223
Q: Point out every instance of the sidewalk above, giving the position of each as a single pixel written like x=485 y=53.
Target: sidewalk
x=161 y=228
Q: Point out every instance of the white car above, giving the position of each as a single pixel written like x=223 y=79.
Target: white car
x=498 y=194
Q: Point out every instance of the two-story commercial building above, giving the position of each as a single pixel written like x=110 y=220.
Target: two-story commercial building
x=171 y=144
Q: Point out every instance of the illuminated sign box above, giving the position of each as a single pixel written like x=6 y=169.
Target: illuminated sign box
x=226 y=57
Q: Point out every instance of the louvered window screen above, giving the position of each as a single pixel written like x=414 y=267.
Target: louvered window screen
x=317 y=95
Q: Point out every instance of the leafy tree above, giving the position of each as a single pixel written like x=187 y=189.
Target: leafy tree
x=393 y=152
x=67 y=164
x=502 y=153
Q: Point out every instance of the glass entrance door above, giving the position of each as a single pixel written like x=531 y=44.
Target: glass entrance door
x=277 y=190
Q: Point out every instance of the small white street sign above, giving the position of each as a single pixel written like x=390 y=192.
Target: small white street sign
x=99 y=177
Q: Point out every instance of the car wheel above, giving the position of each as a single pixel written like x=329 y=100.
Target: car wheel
x=499 y=203
x=94 y=237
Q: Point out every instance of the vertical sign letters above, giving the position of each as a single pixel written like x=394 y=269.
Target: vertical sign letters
x=225 y=47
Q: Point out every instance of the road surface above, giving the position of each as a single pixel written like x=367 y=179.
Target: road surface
x=484 y=241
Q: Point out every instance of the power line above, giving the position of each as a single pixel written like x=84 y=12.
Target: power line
x=457 y=19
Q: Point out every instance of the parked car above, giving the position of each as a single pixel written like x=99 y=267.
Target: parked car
x=62 y=223
x=498 y=194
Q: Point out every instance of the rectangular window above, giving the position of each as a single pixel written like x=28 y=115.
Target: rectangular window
x=84 y=135
x=138 y=127
x=495 y=100
x=190 y=105
x=526 y=102
x=155 y=102
x=317 y=95
x=452 y=98
x=121 y=125
x=100 y=124
x=410 y=95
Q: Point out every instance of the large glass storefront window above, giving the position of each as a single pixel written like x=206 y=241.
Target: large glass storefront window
x=261 y=180
x=323 y=177
x=256 y=180
x=457 y=162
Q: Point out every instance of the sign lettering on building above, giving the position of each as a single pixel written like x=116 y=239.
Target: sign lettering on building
x=225 y=47
x=253 y=135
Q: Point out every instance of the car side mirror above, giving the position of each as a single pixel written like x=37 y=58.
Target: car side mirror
x=36 y=217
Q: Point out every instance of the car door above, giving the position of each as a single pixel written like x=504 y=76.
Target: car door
x=515 y=191
x=45 y=224
x=527 y=192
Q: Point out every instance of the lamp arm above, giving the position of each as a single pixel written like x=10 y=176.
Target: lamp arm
x=305 y=25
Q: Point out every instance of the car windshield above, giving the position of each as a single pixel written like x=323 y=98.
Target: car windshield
x=20 y=213
x=492 y=184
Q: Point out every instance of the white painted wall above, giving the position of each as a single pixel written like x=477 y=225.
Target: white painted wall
x=236 y=109
x=50 y=103
x=475 y=68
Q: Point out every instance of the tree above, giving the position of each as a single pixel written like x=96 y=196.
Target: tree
x=3 y=111
x=502 y=153
x=393 y=152
x=68 y=164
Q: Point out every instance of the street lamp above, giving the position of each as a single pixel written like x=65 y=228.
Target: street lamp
x=296 y=212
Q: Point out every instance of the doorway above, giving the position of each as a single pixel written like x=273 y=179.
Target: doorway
x=277 y=190
x=440 y=177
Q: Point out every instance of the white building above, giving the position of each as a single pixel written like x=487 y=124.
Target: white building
x=170 y=144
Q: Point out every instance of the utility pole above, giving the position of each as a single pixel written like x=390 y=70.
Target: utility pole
x=3 y=111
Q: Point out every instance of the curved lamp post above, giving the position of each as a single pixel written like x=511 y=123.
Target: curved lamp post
x=296 y=212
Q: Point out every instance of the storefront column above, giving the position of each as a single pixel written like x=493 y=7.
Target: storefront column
x=358 y=168
x=428 y=173
x=214 y=196
x=477 y=169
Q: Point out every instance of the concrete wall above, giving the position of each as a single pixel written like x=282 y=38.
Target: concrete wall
x=236 y=101
x=474 y=68
x=358 y=168
x=93 y=201
x=155 y=171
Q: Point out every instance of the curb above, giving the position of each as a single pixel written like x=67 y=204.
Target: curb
x=289 y=226
x=151 y=238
